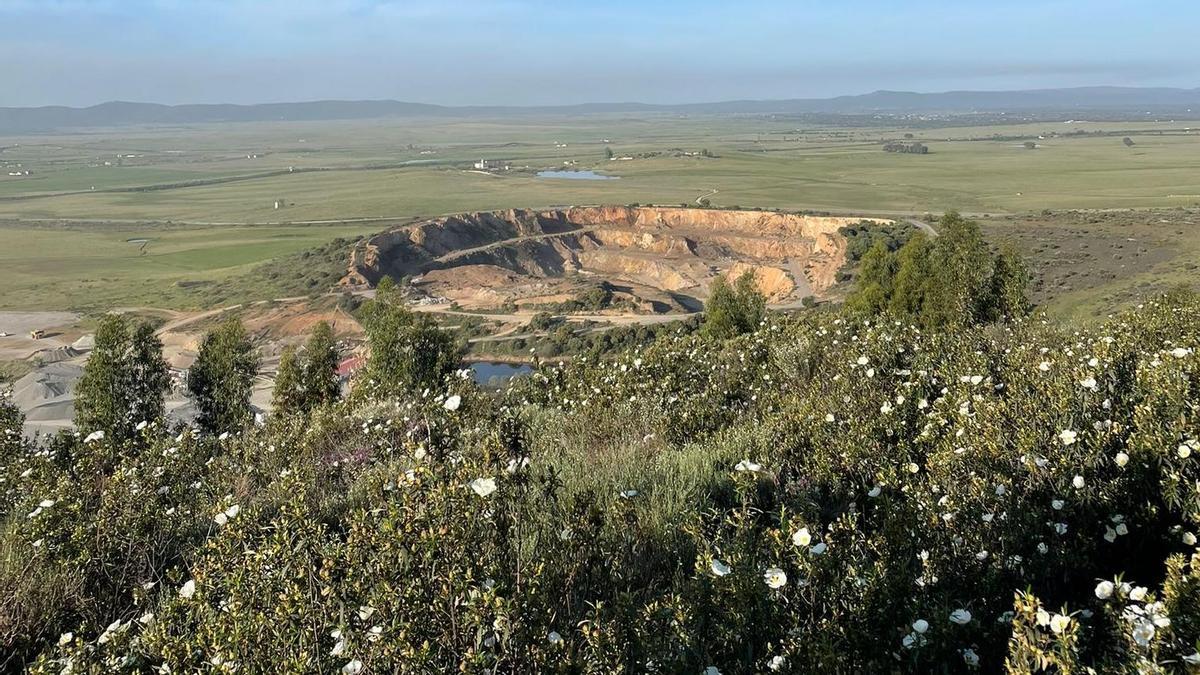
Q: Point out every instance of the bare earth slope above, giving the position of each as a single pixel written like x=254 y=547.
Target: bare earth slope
x=658 y=258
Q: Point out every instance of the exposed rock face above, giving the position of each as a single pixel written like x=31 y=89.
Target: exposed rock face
x=673 y=250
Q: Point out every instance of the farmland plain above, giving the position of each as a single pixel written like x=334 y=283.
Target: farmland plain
x=204 y=196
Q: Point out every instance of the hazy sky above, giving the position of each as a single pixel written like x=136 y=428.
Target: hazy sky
x=82 y=52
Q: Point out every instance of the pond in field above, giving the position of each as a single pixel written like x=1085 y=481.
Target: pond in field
x=495 y=373
x=575 y=175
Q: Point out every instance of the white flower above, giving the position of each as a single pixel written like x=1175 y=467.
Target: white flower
x=1110 y=535
x=778 y=662
x=960 y=617
x=188 y=589
x=352 y=667
x=976 y=379
x=1059 y=623
x=483 y=486
x=338 y=648
x=232 y=511
x=1180 y=352
x=1088 y=383
x=775 y=577
x=1184 y=451
x=747 y=465
x=94 y=436
x=874 y=492
x=1121 y=459
x=365 y=612
x=719 y=568
x=819 y=548
x=1042 y=547
x=452 y=403
x=629 y=494
x=1000 y=490
x=1193 y=658
x=1104 y=590
x=45 y=503
x=801 y=537
x=1189 y=538
x=712 y=670
x=829 y=417
x=913 y=468
x=223 y=436
x=146 y=619
x=862 y=360
x=1044 y=366
x=375 y=633
x=1067 y=436
x=1060 y=528
x=1078 y=482
x=1043 y=617
x=141 y=425
x=1056 y=504
x=920 y=625
x=1143 y=632
x=65 y=638
x=970 y=657
x=1138 y=594
x=554 y=638
x=1122 y=529
x=105 y=636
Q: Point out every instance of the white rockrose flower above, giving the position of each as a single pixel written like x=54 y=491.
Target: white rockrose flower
x=483 y=486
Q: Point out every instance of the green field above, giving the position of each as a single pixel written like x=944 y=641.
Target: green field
x=205 y=194
x=96 y=267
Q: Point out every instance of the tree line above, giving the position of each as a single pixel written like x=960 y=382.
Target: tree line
x=953 y=279
x=126 y=379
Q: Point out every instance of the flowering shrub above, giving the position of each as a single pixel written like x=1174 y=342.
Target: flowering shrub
x=821 y=494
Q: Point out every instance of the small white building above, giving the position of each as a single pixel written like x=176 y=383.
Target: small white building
x=493 y=165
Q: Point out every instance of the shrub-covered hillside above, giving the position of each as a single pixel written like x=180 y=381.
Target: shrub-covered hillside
x=825 y=493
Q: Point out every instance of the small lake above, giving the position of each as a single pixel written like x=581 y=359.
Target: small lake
x=575 y=175
x=496 y=373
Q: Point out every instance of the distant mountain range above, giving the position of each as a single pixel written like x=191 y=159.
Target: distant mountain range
x=24 y=120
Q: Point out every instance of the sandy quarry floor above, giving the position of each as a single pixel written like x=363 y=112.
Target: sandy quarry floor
x=17 y=345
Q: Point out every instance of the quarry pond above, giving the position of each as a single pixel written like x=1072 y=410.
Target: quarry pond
x=497 y=372
x=575 y=175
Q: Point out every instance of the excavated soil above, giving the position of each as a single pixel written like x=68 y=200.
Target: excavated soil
x=657 y=259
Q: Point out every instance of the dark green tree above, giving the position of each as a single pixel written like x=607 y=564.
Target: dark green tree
x=913 y=274
x=407 y=349
x=608 y=152
x=733 y=309
x=1010 y=285
x=124 y=380
x=307 y=380
x=876 y=276
x=222 y=378
x=319 y=375
x=961 y=274
x=12 y=431
x=287 y=397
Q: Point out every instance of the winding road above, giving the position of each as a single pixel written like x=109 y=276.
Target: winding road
x=923 y=226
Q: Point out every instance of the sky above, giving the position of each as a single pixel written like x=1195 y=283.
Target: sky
x=542 y=52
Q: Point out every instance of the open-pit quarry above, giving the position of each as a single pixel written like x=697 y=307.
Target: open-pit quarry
x=643 y=259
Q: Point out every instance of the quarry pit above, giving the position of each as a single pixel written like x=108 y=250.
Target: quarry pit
x=634 y=259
